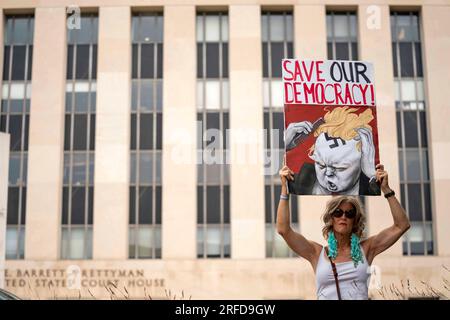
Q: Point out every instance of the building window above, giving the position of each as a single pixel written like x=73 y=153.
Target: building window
x=146 y=137
x=277 y=44
x=412 y=132
x=15 y=119
x=213 y=187
x=79 y=140
x=342 y=40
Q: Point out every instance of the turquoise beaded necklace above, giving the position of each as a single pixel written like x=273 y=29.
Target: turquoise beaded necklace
x=354 y=247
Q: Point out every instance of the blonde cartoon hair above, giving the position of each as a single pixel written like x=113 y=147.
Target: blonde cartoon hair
x=342 y=122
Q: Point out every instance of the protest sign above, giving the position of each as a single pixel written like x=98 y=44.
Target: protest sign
x=331 y=135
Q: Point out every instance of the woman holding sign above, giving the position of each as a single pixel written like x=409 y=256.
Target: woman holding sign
x=341 y=268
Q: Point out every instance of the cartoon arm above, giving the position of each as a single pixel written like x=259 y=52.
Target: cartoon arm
x=294 y=131
x=368 y=152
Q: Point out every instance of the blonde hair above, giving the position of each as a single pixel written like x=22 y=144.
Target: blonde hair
x=359 y=222
x=341 y=122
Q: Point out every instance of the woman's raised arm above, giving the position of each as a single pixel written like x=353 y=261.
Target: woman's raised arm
x=305 y=248
x=387 y=237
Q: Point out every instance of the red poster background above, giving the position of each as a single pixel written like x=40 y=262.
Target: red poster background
x=295 y=158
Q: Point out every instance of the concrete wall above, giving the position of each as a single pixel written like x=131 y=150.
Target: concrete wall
x=4 y=167
x=4 y=164
x=206 y=3
x=46 y=135
x=112 y=136
x=213 y=279
x=246 y=123
x=179 y=171
x=436 y=47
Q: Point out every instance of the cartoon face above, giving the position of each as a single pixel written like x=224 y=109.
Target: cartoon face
x=337 y=163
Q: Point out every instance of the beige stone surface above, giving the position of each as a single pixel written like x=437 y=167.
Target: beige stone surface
x=214 y=279
x=247 y=179
x=2 y=32
x=179 y=171
x=46 y=135
x=209 y=3
x=112 y=136
x=4 y=167
x=436 y=46
x=308 y=44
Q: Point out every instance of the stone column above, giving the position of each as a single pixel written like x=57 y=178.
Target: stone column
x=246 y=124
x=46 y=135
x=436 y=47
x=4 y=165
x=179 y=170
x=112 y=136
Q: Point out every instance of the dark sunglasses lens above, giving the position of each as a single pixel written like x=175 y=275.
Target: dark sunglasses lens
x=338 y=213
x=350 y=214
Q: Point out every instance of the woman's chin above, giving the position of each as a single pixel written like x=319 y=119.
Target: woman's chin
x=342 y=230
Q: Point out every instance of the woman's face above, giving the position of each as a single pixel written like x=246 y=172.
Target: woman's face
x=343 y=224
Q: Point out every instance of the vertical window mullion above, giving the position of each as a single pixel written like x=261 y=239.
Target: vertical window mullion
x=269 y=140
x=220 y=140
x=272 y=203
x=71 y=153
x=155 y=132
x=285 y=48
x=137 y=192
x=422 y=191
x=205 y=178
x=269 y=55
x=8 y=115
x=20 y=152
x=87 y=152
x=138 y=141
x=349 y=38
x=221 y=129
x=402 y=123
x=137 y=132
x=333 y=37
x=137 y=149
x=400 y=114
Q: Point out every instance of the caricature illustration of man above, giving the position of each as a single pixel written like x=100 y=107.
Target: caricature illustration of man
x=343 y=154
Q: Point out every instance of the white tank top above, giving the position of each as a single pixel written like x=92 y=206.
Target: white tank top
x=353 y=282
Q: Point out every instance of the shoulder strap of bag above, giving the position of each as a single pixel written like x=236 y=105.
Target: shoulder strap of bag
x=333 y=266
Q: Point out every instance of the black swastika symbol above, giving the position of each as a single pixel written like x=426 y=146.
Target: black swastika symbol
x=335 y=141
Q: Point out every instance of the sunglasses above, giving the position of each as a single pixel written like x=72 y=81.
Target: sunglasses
x=339 y=212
